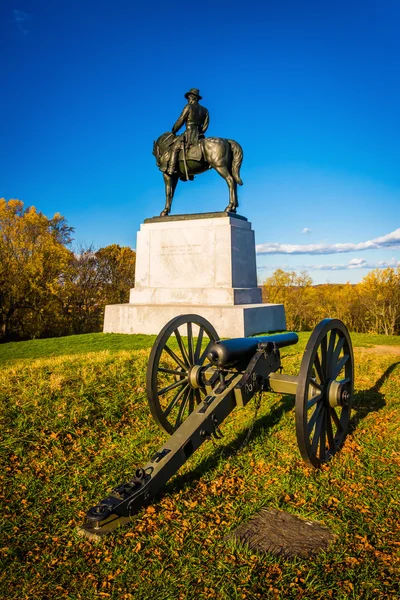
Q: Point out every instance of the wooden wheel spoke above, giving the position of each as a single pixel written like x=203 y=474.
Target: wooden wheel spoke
x=203 y=356
x=336 y=419
x=331 y=347
x=182 y=408
x=182 y=347
x=322 y=438
x=315 y=384
x=318 y=368
x=172 y=386
x=175 y=357
x=337 y=350
x=329 y=431
x=314 y=417
x=313 y=401
x=171 y=371
x=339 y=366
x=318 y=429
x=198 y=346
x=190 y=343
x=191 y=401
x=324 y=361
x=175 y=400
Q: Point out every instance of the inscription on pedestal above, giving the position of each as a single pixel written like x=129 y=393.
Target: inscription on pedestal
x=181 y=250
x=210 y=261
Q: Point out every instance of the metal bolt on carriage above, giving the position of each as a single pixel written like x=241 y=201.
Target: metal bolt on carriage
x=195 y=380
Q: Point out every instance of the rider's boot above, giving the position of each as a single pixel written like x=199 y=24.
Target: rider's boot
x=172 y=162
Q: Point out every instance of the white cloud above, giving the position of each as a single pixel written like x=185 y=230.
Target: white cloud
x=306 y=230
x=354 y=263
x=357 y=263
x=390 y=240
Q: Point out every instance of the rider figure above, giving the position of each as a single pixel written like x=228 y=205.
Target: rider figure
x=196 y=118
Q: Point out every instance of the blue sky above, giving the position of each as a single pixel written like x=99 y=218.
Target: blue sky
x=310 y=89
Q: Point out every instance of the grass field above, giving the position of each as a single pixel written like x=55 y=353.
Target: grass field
x=75 y=422
x=73 y=344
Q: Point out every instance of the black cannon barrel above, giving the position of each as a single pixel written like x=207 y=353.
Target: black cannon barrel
x=240 y=350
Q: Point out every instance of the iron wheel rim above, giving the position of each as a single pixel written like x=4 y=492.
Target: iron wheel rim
x=170 y=396
x=321 y=428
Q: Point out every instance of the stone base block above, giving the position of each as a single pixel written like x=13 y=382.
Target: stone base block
x=229 y=321
x=203 y=296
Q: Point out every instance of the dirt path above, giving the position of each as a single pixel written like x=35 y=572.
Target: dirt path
x=379 y=350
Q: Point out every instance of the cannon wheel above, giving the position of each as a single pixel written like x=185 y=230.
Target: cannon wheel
x=324 y=392
x=180 y=345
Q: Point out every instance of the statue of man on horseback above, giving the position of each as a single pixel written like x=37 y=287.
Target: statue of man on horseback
x=184 y=156
x=196 y=118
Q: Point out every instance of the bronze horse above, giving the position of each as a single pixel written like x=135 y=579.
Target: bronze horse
x=225 y=156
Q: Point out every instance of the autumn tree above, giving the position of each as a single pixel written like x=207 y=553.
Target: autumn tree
x=92 y=280
x=46 y=289
x=370 y=306
x=79 y=294
x=339 y=301
x=116 y=267
x=33 y=257
x=380 y=296
x=292 y=290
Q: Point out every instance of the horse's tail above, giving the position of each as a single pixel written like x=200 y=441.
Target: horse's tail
x=237 y=152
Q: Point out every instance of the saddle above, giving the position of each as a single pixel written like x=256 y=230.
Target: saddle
x=194 y=153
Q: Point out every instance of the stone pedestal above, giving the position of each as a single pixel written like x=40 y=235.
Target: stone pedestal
x=203 y=264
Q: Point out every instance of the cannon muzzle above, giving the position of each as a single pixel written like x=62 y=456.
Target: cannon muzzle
x=239 y=351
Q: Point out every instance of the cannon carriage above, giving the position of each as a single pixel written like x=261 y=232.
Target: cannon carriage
x=195 y=380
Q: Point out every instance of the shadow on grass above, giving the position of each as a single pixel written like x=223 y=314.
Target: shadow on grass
x=372 y=400
x=223 y=452
x=365 y=402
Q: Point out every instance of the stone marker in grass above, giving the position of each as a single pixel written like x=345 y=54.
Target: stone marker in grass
x=283 y=534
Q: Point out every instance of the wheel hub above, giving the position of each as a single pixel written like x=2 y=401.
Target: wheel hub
x=194 y=376
x=337 y=393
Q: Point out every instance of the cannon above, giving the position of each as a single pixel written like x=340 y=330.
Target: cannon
x=195 y=380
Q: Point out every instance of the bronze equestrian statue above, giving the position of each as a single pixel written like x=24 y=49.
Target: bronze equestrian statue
x=196 y=119
x=184 y=156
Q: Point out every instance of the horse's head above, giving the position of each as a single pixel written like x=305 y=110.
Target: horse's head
x=161 y=145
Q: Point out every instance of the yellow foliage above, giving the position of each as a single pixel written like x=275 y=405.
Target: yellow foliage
x=372 y=306
x=380 y=294
x=45 y=288
x=33 y=256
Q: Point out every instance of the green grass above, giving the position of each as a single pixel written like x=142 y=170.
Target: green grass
x=75 y=423
x=73 y=344
x=113 y=342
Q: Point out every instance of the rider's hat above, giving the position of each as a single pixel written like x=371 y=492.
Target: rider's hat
x=195 y=92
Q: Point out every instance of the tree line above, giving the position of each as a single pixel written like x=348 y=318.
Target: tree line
x=48 y=289
x=371 y=306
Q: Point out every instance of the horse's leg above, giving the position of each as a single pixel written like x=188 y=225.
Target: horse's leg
x=170 y=182
x=224 y=172
x=236 y=201
x=218 y=154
